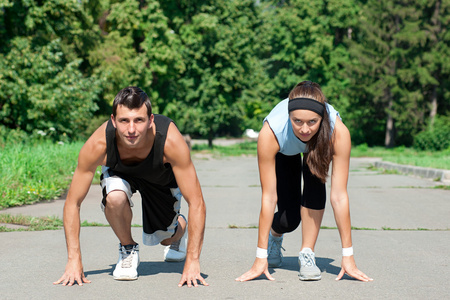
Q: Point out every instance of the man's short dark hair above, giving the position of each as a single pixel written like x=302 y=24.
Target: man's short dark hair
x=132 y=97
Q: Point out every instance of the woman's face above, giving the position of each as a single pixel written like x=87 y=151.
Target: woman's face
x=305 y=123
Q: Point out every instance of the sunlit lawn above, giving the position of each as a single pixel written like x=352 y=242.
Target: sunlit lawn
x=31 y=173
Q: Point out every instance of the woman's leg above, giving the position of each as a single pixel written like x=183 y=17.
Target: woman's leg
x=313 y=207
x=289 y=177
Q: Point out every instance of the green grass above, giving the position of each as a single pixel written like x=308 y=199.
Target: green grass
x=406 y=156
x=41 y=223
x=399 y=155
x=246 y=148
x=31 y=223
x=35 y=172
x=30 y=173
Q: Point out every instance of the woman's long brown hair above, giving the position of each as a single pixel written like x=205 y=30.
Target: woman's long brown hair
x=320 y=146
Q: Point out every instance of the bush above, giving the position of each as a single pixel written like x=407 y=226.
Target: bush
x=44 y=95
x=436 y=137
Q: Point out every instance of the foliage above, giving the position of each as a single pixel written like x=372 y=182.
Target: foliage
x=42 y=86
x=219 y=44
x=394 y=70
x=219 y=67
x=435 y=137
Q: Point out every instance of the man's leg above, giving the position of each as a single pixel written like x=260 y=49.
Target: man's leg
x=119 y=215
x=175 y=250
x=181 y=228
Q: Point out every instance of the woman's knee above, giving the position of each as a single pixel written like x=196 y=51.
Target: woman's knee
x=284 y=223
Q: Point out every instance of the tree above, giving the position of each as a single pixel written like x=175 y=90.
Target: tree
x=434 y=69
x=384 y=70
x=217 y=47
x=41 y=85
x=40 y=91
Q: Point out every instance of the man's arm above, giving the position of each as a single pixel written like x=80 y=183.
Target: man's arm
x=91 y=155
x=176 y=152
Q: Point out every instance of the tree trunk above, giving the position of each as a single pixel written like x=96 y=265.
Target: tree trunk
x=389 y=139
x=437 y=30
x=434 y=106
x=210 y=138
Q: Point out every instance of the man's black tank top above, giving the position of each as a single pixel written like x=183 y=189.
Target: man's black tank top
x=152 y=169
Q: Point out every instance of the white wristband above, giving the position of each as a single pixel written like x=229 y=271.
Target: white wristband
x=261 y=253
x=347 y=251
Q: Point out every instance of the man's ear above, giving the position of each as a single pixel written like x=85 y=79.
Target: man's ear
x=113 y=121
x=151 y=119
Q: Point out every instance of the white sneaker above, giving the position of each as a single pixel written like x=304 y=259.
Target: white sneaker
x=176 y=252
x=308 y=268
x=126 y=268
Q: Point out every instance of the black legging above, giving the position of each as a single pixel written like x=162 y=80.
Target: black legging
x=289 y=171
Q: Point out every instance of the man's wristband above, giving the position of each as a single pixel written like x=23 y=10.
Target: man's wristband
x=261 y=253
x=347 y=251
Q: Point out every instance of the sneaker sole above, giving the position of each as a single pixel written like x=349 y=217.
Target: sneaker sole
x=125 y=278
x=174 y=259
x=310 y=278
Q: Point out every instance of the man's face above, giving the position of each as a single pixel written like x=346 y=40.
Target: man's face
x=132 y=125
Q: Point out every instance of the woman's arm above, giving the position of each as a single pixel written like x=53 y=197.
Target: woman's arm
x=339 y=178
x=339 y=198
x=267 y=149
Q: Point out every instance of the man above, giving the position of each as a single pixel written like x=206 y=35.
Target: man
x=138 y=151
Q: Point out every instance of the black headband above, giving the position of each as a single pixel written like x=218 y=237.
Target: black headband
x=306 y=103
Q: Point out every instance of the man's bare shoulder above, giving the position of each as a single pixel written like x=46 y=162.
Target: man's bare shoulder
x=175 y=147
x=94 y=150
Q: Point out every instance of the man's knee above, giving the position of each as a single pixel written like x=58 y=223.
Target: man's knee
x=116 y=199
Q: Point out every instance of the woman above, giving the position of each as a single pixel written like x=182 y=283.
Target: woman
x=306 y=124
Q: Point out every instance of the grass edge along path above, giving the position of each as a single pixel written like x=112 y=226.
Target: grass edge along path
x=30 y=173
x=30 y=223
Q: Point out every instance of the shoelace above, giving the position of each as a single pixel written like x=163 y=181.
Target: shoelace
x=275 y=248
x=307 y=258
x=127 y=258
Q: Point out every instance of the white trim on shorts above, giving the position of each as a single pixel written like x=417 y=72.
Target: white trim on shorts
x=160 y=235
x=115 y=183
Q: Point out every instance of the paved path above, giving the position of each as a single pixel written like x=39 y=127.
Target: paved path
x=406 y=263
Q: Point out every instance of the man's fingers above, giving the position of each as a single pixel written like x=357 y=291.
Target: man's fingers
x=193 y=281
x=84 y=279
x=203 y=281
x=69 y=281
x=58 y=281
